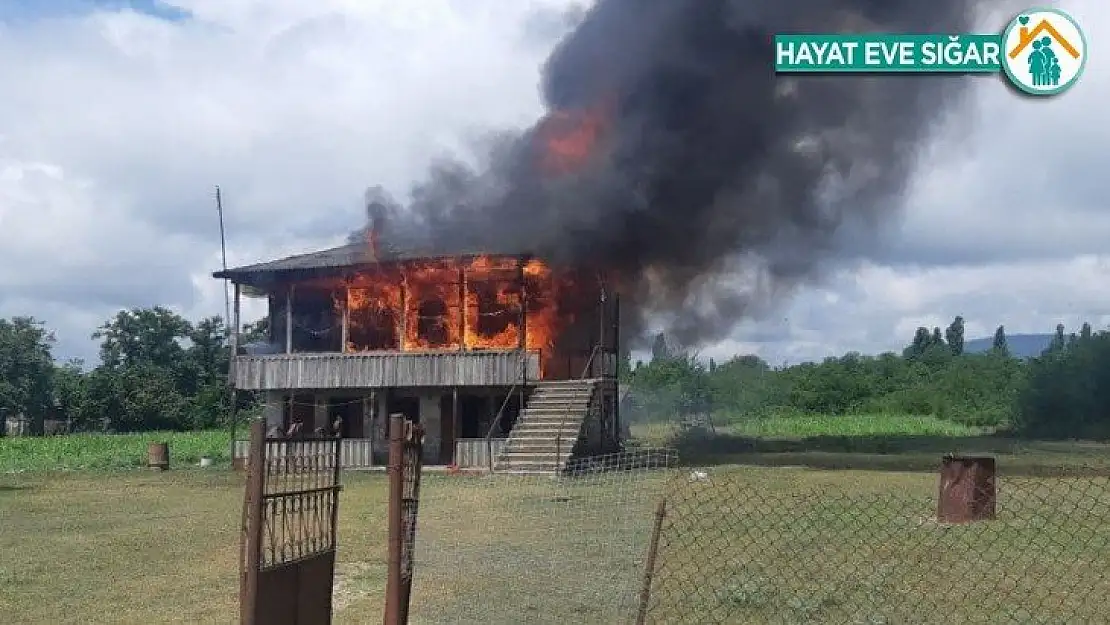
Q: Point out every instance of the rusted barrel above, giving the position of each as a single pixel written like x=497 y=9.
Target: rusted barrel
x=967 y=489
x=158 y=456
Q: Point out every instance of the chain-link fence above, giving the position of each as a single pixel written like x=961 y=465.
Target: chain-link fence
x=798 y=546
x=512 y=548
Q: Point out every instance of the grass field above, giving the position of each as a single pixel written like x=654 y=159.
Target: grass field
x=796 y=426
x=78 y=452
x=744 y=545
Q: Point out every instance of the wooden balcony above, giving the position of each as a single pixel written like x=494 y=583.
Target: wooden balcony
x=368 y=370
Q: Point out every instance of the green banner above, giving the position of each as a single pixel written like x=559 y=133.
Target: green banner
x=888 y=53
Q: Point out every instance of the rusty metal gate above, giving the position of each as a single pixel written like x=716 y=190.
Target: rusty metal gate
x=289 y=530
x=406 y=451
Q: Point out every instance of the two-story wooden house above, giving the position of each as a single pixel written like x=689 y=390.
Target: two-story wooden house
x=509 y=363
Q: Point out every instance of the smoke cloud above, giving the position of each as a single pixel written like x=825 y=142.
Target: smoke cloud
x=711 y=185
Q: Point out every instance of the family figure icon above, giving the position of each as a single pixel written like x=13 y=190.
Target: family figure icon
x=1044 y=67
x=1045 y=51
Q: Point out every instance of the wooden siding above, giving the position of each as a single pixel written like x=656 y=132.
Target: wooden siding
x=355 y=453
x=472 y=453
x=381 y=370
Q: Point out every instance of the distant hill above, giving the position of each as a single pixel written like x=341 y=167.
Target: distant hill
x=1021 y=345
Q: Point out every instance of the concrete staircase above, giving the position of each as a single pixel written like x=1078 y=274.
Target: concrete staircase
x=548 y=428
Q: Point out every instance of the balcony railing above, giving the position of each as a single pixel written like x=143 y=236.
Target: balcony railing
x=383 y=369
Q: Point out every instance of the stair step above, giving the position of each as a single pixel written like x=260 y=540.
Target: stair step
x=567 y=416
x=544 y=402
x=538 y=447
x=539 y=456
x=547 y=402
x=558 y=401
x=553 y=428
x=558 y=383
x=561 y=438
x=531 y=461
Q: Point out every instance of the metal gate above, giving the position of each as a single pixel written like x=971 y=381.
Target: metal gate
x=406 y=451
x=289 y=530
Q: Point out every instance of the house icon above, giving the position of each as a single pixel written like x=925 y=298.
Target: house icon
x=1027 y=36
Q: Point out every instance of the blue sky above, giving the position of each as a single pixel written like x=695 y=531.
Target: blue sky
x=15 y=10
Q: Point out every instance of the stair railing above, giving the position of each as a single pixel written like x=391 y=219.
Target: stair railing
x=501 y=411
x=566 y=412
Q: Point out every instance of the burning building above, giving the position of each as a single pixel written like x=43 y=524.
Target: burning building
x=494 y=354
x=671 y=154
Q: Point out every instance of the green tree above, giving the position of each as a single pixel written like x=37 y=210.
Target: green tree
x=998 y=344
x=954 y=335
x=1059 y=340
x=26 y=369
x=1068 y=392
x=920 y=343
x=659 y=348
x=148 y=370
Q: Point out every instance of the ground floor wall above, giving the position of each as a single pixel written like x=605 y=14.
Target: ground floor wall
x=449 y=415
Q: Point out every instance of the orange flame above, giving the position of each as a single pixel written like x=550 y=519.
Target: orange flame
x=569 y=138
x=455 y=303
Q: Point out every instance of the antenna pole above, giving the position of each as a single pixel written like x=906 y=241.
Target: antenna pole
x=223 y=257
x=233 y=397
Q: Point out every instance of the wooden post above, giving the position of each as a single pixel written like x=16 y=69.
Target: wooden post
x=522 y=300
x=402 y=321
x=345 y=322
x=967 y=489
x=393 y=589
x=462 y=308
x=456 y=424
x=289 y=319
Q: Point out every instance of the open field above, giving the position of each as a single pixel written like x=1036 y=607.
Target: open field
x=883 y=442
x=799 y=425
x=76 y=452
x=743 y=545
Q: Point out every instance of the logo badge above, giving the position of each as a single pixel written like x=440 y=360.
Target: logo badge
x=1043 y=51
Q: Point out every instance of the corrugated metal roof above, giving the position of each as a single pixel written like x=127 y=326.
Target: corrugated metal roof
x=350 y=255
x=342 y=256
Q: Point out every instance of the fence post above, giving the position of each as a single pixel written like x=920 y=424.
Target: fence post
x=396 y=496
x=250 y=545
x=649 y=565
x=413 y=461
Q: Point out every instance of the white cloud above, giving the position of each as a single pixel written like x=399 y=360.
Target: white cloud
x=115 y=127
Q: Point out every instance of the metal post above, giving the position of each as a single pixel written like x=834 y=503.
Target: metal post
x=393 y=590
x=617 y=367
x=601 y=334
x=251 y=534
x=233 y=396
x=649 y=565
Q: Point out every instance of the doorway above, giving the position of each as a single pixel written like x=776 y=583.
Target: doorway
x=348 y=409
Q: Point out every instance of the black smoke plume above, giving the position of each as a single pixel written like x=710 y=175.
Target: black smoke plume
x=714 y=185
